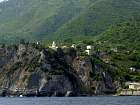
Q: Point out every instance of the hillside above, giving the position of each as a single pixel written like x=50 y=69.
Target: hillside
x=126 y=34
x=121 y=43
x=33 y=19
x=50 y=19
x=100 y=16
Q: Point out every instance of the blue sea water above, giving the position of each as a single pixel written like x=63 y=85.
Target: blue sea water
x=71 y=101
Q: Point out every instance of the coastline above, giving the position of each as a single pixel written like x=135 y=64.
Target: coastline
x=128 y=92
x=122 y=93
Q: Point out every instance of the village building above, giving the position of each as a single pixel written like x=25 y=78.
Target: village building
x=37 y=43
x=133 y=85
x=73 y=46
x=132 y=69
x=89 y=50
x=54 y=46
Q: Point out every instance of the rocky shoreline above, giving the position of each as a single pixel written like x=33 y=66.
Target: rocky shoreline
x=5 y=93
x=29 y=70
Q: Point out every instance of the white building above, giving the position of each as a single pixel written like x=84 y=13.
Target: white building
x=89 y=47
x=89 y=50
x=132 y=69
x=37 y=43
x=54 y=46
x=133 y=85
x=73 y=46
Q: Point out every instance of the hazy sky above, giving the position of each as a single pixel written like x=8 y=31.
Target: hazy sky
x=3 y=0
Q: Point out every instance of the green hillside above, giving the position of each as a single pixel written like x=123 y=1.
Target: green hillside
x=125 y=35
x=121 y=43
x=36 y=19
x=100 y=16
x=63 y=19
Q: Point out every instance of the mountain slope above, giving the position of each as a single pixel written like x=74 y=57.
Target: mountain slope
x=121 y=42
x=100 y=16
x=36 y=18
x=53 y=19
x=125 y=34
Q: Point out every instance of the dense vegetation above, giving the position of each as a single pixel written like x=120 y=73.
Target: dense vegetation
x=111 y=27
x=63 y=19
x=121 y=42
x=99 y=16
x=36 y=19
x=67 y=21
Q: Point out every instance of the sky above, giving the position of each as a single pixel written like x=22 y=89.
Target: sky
x=3 y=0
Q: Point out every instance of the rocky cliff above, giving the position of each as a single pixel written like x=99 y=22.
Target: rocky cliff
x=28 y=70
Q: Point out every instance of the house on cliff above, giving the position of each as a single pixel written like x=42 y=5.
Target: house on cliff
x=133 y=85
x=89 y=50
x=53 y=46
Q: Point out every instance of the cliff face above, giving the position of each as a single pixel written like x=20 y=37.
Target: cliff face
x=30 y=71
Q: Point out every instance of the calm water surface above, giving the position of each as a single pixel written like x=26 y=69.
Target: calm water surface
x=72 y=101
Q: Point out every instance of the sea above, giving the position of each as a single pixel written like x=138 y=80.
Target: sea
x=99 y=100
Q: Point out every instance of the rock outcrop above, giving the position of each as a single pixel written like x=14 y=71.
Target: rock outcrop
x=30 y=71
